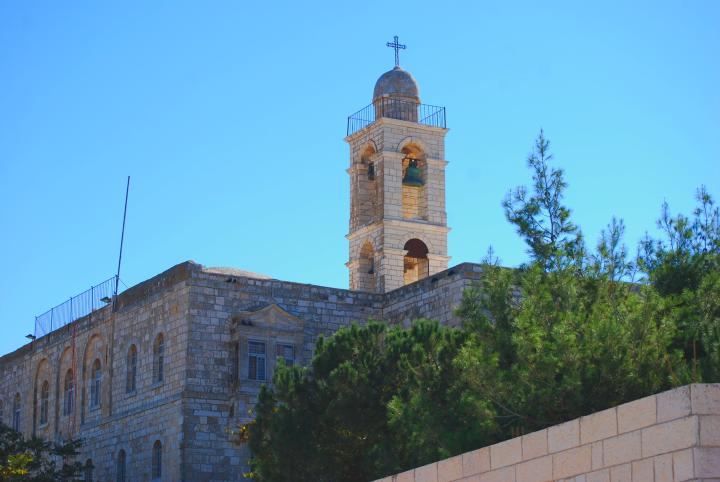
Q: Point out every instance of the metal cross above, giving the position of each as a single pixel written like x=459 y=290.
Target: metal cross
x=397 y=46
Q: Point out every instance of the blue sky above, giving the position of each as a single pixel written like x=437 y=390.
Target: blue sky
x=230 y=118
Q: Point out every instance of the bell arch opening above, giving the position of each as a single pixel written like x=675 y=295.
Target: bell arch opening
x=416 y=263
x=366 y=201
x=366 y=268
x=414 y=183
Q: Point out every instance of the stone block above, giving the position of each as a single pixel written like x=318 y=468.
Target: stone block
x=505 y=453
x=564 y=436
x=637 y=414
x=673 y=404
x=709 y=430
x=598 y=426
x=572 y=462
x=642 y=471
x=597 y=455
x=506 y=474
x=707 y=462
x=705 y=398
x=536 y=470
x=663 y=468
x=621 y=473
x=534 y=444
x=407 y=476
x=598 y=476
x=683 y=465
x=450 y=469
x=427 y=473
x=476 y=462
x=621 y=449
x=669 y=436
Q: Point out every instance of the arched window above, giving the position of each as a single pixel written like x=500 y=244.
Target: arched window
x=131 y=369
x=414 y=177
x=2 y=411
x=44 y=402
x=68 y=393
x=88 y=470
x=120 y=467
x=366 y=269
x=95 y=384
x=416 y=261
x=158 y=358
x=16 y=413
x=157 y=460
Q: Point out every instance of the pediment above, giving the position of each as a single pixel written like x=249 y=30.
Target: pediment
x=269 y=317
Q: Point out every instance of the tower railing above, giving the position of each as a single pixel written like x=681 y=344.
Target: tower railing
x=425 y=114
x=76 y=307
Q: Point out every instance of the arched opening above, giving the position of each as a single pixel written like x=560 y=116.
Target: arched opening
x=131 y=367
x=16 y=413
x=414 y=180
x=44 y=402
x=2 y=411
x=121 y=466
x=68 y=393
x=366 y=268
x=95 y=384
x=416 y=265
x=157 y=460
x=366 y=197
x=88 y=470
x=159 y=359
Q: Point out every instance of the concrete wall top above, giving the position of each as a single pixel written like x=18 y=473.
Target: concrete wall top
x=672 y=436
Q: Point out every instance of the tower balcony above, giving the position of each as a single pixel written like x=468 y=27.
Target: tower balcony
x=393 y=108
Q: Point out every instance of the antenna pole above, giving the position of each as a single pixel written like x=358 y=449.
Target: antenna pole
x=122 y=239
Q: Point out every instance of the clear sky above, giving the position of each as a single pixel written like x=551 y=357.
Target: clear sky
x=230 y=118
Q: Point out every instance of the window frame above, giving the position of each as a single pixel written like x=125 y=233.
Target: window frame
x=131 y=370
x=156 y=468
x=96 y=384
x=257 y=356
x=44 y=402
x=285 y=359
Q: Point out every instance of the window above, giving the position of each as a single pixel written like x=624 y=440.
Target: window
x=44 y=402
x=68 y=393
x=131 y=369
x=157 y=460
x=158 y=358
x=256 y=360
x=120 y=467
x=286 y=352
x=95 y=384
x=88 y=470
x=2 y=411
x=16 y=413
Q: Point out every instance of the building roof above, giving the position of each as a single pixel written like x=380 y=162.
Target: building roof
x=235 y=272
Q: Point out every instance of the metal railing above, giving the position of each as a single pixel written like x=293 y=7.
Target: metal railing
x=76 y=307
x=429 y=115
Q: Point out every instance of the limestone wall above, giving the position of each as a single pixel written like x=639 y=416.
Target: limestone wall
x=673 y=436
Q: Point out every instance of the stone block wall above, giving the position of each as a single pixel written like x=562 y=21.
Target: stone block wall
x=673 y=436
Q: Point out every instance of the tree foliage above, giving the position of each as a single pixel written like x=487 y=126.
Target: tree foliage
x=36 y=460
x=568 y=333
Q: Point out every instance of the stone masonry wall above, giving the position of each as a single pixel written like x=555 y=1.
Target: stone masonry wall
x=131 y=421
x=673 y=436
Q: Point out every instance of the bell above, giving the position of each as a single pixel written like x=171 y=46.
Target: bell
x=413 y=176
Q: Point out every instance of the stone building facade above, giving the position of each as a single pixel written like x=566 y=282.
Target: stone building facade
x=158 y=382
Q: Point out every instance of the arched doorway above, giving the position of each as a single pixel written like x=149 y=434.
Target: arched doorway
x=416 y=265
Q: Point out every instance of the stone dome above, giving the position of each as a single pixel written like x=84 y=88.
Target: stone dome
x=396 y=82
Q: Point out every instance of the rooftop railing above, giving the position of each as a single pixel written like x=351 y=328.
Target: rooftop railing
x=76 y=307
x=429 y=115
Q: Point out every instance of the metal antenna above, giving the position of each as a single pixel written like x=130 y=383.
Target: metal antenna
x=122 y=239
x=397 y=46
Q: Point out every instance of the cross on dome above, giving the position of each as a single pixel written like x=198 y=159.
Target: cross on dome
x=397 y=46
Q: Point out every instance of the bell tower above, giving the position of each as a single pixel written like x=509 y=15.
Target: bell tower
x=398 y=225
